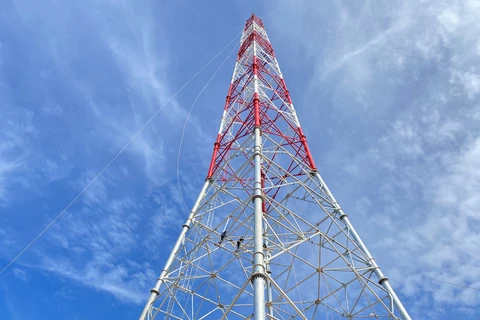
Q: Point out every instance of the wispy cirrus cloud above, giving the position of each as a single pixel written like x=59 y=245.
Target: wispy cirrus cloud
x=15 y=138
x=110 y=97
x=381 y=90
x=395 y=91
x=21 y=274
x=93 y=244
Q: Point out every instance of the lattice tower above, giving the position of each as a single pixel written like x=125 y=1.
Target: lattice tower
x=265 y=238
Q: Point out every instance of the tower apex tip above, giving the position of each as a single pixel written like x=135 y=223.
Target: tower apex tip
x=255 y=18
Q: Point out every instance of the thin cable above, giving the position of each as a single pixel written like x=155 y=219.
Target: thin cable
x=115 y=157
x=186 y=122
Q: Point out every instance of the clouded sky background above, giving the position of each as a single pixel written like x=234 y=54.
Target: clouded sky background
x=388 y=94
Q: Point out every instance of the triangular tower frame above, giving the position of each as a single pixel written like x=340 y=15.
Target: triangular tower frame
x=266 y=238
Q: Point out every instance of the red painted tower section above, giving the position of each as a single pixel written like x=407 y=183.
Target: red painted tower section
x=273 y=111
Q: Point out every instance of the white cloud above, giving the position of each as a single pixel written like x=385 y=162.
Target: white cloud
x=55 y=169
x=419 y=164
x=459 y=187
x=52 y=109
x=427 y=167
x=15 y=136
x=404 y=116
x=95 y=240
x=92 y=245
x=21 y=274
x=118 y=280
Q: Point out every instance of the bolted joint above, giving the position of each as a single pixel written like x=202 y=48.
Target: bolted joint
x=155 y=291
x=257 y=196
x=339 y=210
x=382 y=280
x=343 y=215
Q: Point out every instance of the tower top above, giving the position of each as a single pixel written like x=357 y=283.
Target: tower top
x=253 y=18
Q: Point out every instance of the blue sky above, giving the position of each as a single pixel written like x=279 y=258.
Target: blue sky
x=388 y=95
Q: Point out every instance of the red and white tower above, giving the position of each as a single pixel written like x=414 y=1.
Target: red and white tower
x=265 y=238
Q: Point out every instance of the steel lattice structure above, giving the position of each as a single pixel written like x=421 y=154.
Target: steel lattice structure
x=266 y=239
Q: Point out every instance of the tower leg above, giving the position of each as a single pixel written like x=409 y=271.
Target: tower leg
x=381 y=277
x=258 y=276
x=156 y=290
x=269 y=282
